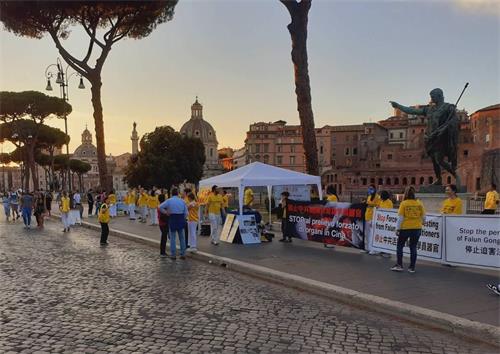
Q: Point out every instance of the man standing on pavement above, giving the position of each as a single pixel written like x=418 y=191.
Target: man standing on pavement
x=64 y=208
x=14 y=205
x=77 y=200
x=492 y=200
x=177 y=211
x=90 y=201
x=27 y=208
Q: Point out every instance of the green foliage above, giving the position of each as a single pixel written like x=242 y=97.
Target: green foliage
x=61 y=162
x=166 y=158
x=31 y=104
x=79 y=167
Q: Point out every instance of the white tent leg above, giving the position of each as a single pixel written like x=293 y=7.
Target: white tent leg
x=269 y=195
x=240 y=198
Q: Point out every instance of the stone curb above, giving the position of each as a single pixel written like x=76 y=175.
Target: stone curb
x=429 y=318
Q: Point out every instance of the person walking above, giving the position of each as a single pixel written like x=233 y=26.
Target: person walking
x=193 y=219
x=90 y=201
x=26 y=208
x=176 y=210
x=372 y=202
x=452 y=204
x=214 y=205
x=6 y=205
x=39 y=209
x=409 y=226
x=153 y=204
x=103 y=218
x=77 y=203
x=143 y=204
x=131 y=200
x=48 y=202
x=491 y=201
x=283 y=215
x=64 y=208
x=14 y=204
x=331 y=194
x=163 y=224
x=111 y=203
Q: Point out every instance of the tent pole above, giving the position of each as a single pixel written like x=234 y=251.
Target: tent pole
x=269 y=195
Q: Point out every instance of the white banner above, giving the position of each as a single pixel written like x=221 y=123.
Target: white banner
x=473 y=241
x=384 y=239
x=299 y=193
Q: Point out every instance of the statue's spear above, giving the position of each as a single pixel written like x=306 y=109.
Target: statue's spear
x=459 y=97
x=443 y=126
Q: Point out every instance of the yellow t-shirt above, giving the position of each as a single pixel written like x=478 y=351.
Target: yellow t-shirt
x=193 y=208
x=413 y=212
x=332 y=198
x=373 y=203
x=125 y=199
x=214 y=203
x=103 y=215
x=386 y=204
x=143 y=200
x=452 y=206
x=111 y=199
x=225 y=200
x=248 y=200
x=64 y=205
x=153 y=202
x=491 y=200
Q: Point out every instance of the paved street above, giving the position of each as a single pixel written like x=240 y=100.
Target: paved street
x=64 y=293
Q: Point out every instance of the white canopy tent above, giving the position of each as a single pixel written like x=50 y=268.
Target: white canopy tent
x=259 y=174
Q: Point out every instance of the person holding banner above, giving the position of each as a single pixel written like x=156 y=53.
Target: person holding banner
x=453 y=204
x=491 y=201
x=385 y=200
x=372 y=201
x=285 y=230
x=331 y=194
x=409 y=226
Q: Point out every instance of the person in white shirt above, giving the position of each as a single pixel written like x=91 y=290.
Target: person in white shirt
x=77 y=199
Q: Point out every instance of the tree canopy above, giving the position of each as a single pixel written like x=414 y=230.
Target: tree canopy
x=166 y=158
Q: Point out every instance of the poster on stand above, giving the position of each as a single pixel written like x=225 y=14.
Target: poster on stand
x=384 y=239
x=248 y=229
x=473 y=241
x=330 y=223
x=226 y=229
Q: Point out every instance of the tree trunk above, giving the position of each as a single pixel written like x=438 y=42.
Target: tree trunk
x=99 y=131
x=298 y=33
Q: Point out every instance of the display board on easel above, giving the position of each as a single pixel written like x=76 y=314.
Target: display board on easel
x=241 y=227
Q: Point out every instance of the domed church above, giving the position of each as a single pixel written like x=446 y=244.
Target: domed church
x=199 y=128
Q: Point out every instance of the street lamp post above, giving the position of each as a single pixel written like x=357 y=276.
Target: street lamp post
x=62 y=78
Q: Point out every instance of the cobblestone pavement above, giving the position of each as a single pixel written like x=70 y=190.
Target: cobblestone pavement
x=64 y=293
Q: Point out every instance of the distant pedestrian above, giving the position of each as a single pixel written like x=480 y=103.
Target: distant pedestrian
x=39 y=209
x=6 y=205
x=111 y=203
x=491 y=201
x=214 y=206
x=90 y=201
x=48 y=202
x=153 y=204
x=176 y=210
x=372 y=202
x=143 y=204
x=453 y=204
x=331 y=194
x=26 y=208
x=77 y=203
x=104 y=220
x=14 y=204
x=193 y=219
x=409 y=226
x=283 y=215
x=64 y=208
x=163 y=224
x=131 y=200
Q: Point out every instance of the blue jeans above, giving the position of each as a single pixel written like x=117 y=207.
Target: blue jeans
x=182 y=241
x=404 y=235
x=27 y=216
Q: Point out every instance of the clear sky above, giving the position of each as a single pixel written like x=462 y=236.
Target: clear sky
x=235 y=55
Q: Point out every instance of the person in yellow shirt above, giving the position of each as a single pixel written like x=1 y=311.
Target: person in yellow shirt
x=453 y=204
x=131 y=204
x=142 y=203
x=385 y=200
x=372 y=201
x=491 y=201
x=331 y=194
x=214 y=206
x=248 y=199
x=111 y=201
x=64 y=208
x=153 y=204
x=103 y=218
x=193 y=219
x=409 y=226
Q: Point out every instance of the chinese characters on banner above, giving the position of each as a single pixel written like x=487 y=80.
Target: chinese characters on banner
x=429 y=246
x=474 y=241
x=331 y=223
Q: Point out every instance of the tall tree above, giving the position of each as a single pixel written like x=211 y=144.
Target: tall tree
x=299 y=13
x=80 y=168
x=24 y=115
x=105 y=23
x=166 y=158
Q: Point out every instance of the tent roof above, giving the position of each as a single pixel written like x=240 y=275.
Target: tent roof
x=259 y=174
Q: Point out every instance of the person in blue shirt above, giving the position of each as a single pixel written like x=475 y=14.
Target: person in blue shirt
x=14 y=204
x=177 y=211
x=6 y=205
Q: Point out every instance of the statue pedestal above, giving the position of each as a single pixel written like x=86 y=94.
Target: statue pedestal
x=433 y=201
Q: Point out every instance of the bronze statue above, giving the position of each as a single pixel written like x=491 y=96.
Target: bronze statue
x=441 y=135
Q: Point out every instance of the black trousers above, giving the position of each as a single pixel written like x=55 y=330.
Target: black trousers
x=404 y=235
x=285 y=229
x=488 y=211
x=91 y=207
x=164 y=237
x=104 y=232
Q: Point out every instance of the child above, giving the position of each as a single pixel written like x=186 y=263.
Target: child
x=104 y=220
x=6 y=206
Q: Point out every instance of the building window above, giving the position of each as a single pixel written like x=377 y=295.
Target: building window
x=197 y=133
x=279 y=160
x=487 y=138
x=354 y=151
x=466 y=153
x=388 y=181
x=335 y=178
x=413 y=180
x=389 y=156
x=372 y=180
x=257 y=157
x=380 y=181
x=257 y=147
x=266 y=147
x=334 y=163
x=431 y=179
x=422 y=180
x=347 y=151
x=478 y=183
x=266 y=158
x=448 y=180
x=401 y=135
x=278 y=148
x=396 y=181
x=292 y=160
x=392 y=136
x=363 y=180
x=321 y=149
x=292 y=148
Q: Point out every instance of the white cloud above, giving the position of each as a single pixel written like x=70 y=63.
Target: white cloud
x=489 y=7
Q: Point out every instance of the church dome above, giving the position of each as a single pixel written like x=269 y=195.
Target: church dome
x=86 y=150
x=197 y=127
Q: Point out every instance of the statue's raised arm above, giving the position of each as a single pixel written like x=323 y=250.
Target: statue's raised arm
x=408 y=110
